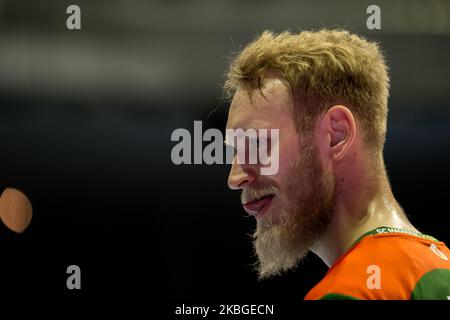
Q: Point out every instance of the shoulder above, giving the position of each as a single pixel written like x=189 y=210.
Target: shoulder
x=385 y=266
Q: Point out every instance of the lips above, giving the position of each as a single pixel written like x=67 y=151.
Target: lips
x=258 y=207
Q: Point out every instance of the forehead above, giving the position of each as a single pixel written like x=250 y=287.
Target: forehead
x=271 y=109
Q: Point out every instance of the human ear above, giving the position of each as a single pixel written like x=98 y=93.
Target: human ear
x=340 y=126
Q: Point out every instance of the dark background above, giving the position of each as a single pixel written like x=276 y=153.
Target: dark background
x=85 y=124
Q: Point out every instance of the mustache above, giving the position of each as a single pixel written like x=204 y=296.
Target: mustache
x=257 y=192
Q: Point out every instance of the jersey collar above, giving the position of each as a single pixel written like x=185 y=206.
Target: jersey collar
x=387 y=230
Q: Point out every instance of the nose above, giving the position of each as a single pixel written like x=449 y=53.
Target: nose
x=240 y=176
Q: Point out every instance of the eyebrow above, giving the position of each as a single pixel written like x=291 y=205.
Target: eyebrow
x=245 y=128
x=227 y=143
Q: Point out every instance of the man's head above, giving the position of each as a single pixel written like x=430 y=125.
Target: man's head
x=326 y=92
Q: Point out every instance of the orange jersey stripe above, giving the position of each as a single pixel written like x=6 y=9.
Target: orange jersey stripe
x=383 y=266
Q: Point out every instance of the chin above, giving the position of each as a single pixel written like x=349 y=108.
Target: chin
x=271 y=217
x=275 y=258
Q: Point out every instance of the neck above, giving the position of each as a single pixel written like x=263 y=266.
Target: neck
x=357 y=213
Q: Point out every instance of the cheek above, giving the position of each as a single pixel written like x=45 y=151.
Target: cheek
x=288 y=152
x=287 y=168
